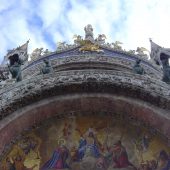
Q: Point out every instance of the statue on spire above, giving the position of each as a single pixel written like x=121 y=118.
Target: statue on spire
x=89 y=33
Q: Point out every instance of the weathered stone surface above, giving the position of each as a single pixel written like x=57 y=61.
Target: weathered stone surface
x=112 y=61
x=84 y=84
x=105 y=81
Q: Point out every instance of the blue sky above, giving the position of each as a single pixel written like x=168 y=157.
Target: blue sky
x=46 y=22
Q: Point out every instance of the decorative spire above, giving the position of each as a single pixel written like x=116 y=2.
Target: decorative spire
x=158 y=51
x=155 y=48
x=21 y=51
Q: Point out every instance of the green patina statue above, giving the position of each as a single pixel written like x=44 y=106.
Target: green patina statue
x=15 y=70
x=47 y=68
x=137 y=68
x=166 y=72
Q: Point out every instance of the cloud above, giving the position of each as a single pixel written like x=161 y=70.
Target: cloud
x=16 y=30
x=147 y=19
x=45 y=22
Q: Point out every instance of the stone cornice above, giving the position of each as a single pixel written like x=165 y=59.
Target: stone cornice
x=79 y=61
x=127 y=84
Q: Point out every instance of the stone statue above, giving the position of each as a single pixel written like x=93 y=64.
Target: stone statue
x=89 y=33
x=47 y=68
x=137 y=68
x=4 y=73
x=108 y=45
x=15 y=70
x=117 y=46
x=131 y=52
x=2 y=77
x=61 y=46
x=77 y=39
x=140 y=51
x=166 y=71
x=100 y=39
x=46 y=52
x=36 y=53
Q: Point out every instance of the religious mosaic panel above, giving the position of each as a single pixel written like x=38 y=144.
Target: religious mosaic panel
x=87 y=143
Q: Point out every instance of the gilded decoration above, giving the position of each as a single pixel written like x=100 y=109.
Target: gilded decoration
x=89 y=46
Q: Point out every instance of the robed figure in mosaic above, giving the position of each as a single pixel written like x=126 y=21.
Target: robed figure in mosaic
x=58 y=159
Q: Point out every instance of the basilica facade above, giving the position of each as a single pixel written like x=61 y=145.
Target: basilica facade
x=90 y=105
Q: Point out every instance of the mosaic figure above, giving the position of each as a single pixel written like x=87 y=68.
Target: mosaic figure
x=59 y=158
x=120 y=157
x=94 y=144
